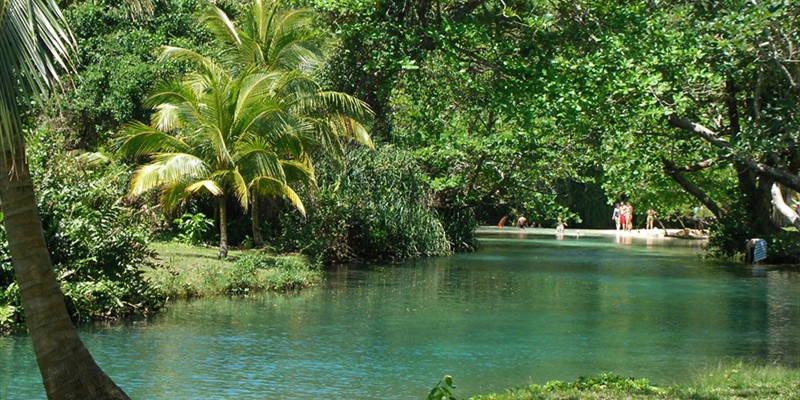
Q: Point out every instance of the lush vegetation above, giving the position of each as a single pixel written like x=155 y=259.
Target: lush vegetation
x=551 y=109
x=390 y=128
x=560 y=108
x=730 y=381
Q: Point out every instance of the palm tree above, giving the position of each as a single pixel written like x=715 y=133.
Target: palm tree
x=267 y=37
x=35 y=43
x=214 y=133
x=271 y=39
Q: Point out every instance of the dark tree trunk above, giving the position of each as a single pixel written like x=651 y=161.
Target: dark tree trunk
x=255 y=218
x=223 y=227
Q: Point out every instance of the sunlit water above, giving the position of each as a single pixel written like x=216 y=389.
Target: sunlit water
x=521 y=310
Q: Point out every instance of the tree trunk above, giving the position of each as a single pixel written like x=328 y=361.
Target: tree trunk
x=68 y=370
x=223 y=227
x=785 y=210
x=255 y=218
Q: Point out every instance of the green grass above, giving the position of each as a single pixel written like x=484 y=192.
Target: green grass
x=188 y=271
x=724 y=382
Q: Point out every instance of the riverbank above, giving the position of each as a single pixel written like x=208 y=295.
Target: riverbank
x=734 y=381
x=186 y=271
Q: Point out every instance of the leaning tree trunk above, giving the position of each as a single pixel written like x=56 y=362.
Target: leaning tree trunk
x=68 y=370
x=223 y=227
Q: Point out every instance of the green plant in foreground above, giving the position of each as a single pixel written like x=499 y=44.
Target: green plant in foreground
x=443 y=390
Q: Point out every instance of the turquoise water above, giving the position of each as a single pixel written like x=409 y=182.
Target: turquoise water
x=521 y=310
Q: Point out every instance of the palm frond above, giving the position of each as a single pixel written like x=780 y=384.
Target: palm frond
x=35 y=44
x=268 y=186
x=139 y=9
x=350 y=128
x=207 y=184
x=166 y=117
x=240 y=189
x=168 y=170
x=173 y=196
x=181 y=54
x=92 y=159
x=138 y=139
x=221 y=26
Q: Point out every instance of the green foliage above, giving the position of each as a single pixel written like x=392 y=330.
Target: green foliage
x=242 y=277
x=11 y=318
x=443 y=390
x=193 y=227
x=96 y=244
x=728 y=381
x=116 y=62
x=529 y=95
x=257 y=272
x=377 y=208
x=292 y=275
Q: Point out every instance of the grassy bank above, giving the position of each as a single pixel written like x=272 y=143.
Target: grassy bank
x=734 y=381
x=187 y=271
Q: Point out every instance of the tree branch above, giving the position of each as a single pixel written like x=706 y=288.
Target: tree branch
x=785 y=210
x=779 y=175
x=701 y=165
x=691 y=188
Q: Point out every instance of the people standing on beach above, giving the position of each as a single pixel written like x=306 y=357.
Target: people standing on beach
x=651 y=219
x=629 y=217
x=616 y=214
x=521 y=221
x=561 y=226
x=623 y=216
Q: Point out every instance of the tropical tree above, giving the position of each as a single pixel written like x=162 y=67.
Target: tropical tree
x=248 y=118
x=36 y=43
x=271 y=38
x=218 y=134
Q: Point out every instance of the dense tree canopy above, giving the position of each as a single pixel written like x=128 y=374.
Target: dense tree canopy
x=667 y=104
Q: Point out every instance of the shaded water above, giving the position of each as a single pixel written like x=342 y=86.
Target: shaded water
x=521 y=310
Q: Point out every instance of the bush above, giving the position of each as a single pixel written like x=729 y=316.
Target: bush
x=193 y=227
x=376 y=209
x=256 y=271
x=97 y=246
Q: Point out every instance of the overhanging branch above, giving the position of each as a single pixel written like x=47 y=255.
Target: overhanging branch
x=691 y=188
x=779 y=175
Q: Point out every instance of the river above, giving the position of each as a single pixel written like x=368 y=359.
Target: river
x=523 y=309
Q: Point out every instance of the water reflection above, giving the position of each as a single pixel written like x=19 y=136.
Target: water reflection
x=517 y=311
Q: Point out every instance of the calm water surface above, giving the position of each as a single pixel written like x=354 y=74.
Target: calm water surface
x=521 y=310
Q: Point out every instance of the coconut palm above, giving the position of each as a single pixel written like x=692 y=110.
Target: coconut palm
x=270 y=38
x=35 y=42
x=267 y=36
x=221 y=135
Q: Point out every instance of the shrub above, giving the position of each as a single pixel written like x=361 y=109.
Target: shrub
x=377 y=208
x=257 y=271
x=97 y=246
x=193 y=227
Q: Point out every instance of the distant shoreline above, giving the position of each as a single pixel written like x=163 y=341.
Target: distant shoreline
x=580 y=232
